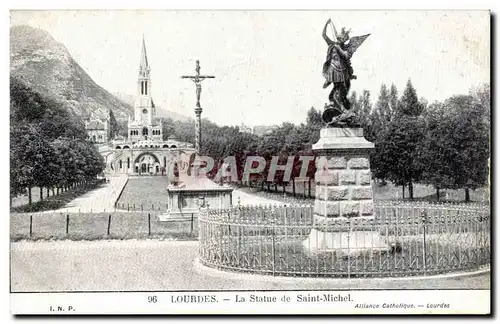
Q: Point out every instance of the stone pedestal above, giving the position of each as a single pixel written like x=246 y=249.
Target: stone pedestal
x=343 y=207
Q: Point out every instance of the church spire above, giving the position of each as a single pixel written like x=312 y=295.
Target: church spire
x=144 y=65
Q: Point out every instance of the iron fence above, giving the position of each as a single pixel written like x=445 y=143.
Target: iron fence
x=133 y=207
x=419 y=239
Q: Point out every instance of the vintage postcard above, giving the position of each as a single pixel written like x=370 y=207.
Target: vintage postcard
x=250 y=162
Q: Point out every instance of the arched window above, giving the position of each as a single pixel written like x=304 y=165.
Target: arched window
x=145 y=131
x=165 y=146
x=164 y=161
x=146 y=88
x=118 y=147
x=120 y=164
x=126 y=147
x=173 y=146
x=128 y=163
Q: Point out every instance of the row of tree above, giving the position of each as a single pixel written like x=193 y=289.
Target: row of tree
x=48 y=147
x=445 y=144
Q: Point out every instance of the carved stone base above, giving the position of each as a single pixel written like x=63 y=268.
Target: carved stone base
x=333 y=139
x=345 y=243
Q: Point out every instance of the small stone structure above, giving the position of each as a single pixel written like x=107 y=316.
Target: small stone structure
x=343 y=194
x=185 y=199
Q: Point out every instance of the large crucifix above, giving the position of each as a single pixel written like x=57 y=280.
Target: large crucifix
x=197 y=79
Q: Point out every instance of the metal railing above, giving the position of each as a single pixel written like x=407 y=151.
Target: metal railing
x=419 y=239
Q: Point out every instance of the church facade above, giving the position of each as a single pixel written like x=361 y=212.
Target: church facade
x=144 y=151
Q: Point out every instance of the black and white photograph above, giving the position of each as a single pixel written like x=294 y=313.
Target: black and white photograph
x=250 y=162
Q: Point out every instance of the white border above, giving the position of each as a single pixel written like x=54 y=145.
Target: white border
x=188 y=4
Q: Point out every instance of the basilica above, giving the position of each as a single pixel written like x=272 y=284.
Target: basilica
x=143 y=151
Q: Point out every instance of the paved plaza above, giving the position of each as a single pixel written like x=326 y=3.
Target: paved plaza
x=168 y=265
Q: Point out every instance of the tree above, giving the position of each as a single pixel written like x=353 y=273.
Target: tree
x=409 y=104
x=310 y=131
x=393 y=99
x=314 y=117
x=471 y=141
x=437 y=152
x=365 y=109
x=355 y=106
x=398 y=154
x=380 y=119
x=396 y=150
x=381 y=114
x=113 y=125
x=455 y=151
x=26 y=105
x=29 y=154
x=48 y=145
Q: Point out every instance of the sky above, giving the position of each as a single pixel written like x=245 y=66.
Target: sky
x=268 y=64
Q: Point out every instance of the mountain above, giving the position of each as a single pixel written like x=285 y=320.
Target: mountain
x=45 y=65
x=160 y=112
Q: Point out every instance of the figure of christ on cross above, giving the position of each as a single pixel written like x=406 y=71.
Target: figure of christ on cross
x=197 y=81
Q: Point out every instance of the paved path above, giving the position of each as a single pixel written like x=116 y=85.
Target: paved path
x=98 y=200
x=248 y=199
x=167 y=265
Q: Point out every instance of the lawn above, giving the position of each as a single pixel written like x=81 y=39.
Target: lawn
x=144 y=193
x=122 y=225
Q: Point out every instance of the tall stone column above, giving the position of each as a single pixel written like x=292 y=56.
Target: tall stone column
x=344 y=194
x=197 y=129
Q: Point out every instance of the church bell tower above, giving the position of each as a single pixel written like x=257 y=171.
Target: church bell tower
x=143 y=125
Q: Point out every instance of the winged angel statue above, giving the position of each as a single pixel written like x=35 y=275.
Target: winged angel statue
x=338 y=70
